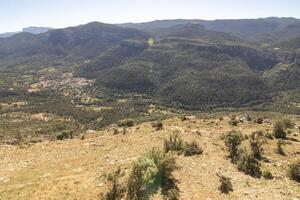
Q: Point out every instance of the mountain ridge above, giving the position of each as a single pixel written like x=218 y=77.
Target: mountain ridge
x=30 y=29
x=188 y=64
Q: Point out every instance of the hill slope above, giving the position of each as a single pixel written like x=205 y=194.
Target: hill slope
x=77 y=168
x=185 y=71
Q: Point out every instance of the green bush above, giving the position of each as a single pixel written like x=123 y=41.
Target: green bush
x=151 y=172
x=174 y=143
x=158 y=125
x=278 y=131
x=117 y=190
x=248 y=164
x=256 y=141
x=267 y=175
x=192 y=148
x=294 y=171
x=232 y=140
x=226 y=185
x=126 y=123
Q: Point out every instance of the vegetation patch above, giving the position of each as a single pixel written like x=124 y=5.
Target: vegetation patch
x=176 y=144
x=294 y=171
x=256 y=141
x=267 y=175
x=248 y=164
x=192 y=148
x=151 y=172
x=225 y=185
x=279 y=148
x=278 y=130
x=116 y=190
x=232 y=140
x=158 y=125
x=126 y=123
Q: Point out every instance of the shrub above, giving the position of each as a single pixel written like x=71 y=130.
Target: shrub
x=259 y=120
x=267 y=175
x=269 y=136
x=226 y=185
x=65 y=135
x=192 y=148
x=150 y=172
x=256 y=141
x=135 y=183
x=167 y=180
x=174 y=143
x=183 y=118
x=287 y=123
x=249 y=165
x=158 y=125
x=233 y=122
x=19 y=138
x=117 y=131
x=294 y=171
x=279 y=149
x=116 y=191
x=172 y=194
x=232 y=140
x=126 y=123
x=278 y=131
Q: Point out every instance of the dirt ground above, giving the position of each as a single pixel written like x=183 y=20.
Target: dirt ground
x=73 y=169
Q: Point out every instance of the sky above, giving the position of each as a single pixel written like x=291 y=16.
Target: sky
x=17 y=14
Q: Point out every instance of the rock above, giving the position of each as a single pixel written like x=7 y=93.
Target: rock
x=100 y=185
x=91 y=132
x=4 y=179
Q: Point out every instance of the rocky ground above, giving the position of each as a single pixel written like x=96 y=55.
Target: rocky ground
x=74 y=169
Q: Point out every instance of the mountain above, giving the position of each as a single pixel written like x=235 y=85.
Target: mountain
x=195 y=31
x=193 y=64
x=31 y=29
x=285 y=75
x=293 y=43
x=185 y=72
x=263 y=30
x=36 y=30
x=8 y=34
x=75 y=42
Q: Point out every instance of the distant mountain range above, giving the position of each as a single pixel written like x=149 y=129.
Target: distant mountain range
x=268 y=30
x=32 y=29
x=193 y=64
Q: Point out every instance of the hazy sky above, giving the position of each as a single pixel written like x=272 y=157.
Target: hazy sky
x=16 y=14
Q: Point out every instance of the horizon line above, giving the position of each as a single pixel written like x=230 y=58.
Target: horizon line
x=144 y=22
